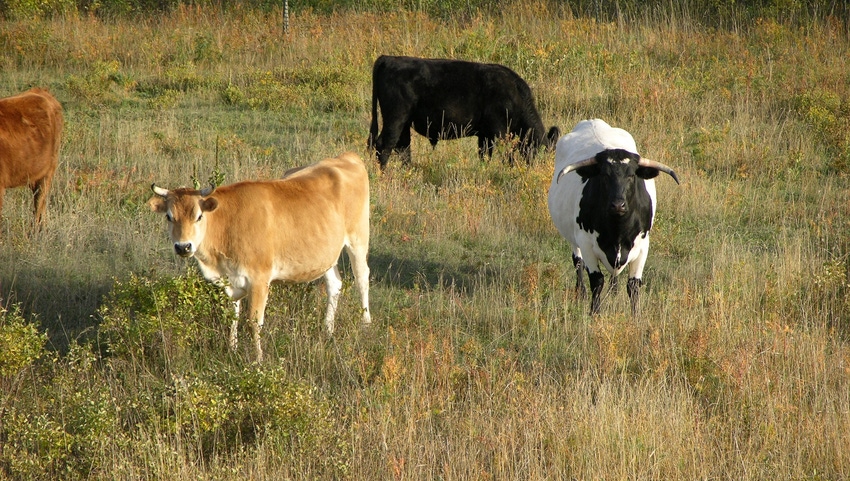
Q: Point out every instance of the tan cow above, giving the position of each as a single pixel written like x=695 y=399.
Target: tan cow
x=247 y=234
x=30 y=134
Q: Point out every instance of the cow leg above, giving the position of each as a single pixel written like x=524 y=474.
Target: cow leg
x=615 y=284
x=527 y=149
x=633 y=289
x=357 y=256
x=597 y=282
x=578 y=262
x=39 y=191
x=635 y=276
x=236 y=295
x=257 y=299
x=383 y=149
x=234 y=326
x=395 y=137
x=403 y=146
x=334 y=286
x=485 y=147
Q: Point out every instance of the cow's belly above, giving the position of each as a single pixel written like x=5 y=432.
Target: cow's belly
x=305 y=268
x=563 y=201
x=36 y=169
x=436 y=126
x=303 y=274
x=281 y=258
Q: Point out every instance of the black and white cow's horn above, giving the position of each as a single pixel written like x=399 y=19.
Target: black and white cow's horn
x=658 y=165
x=577 y=165
x=159 y=190
x=208 y=190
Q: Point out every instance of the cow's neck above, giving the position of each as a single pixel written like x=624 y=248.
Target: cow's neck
x=206 y=259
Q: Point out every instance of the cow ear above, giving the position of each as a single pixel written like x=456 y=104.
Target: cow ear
x=209 y=205
x=647 y=172
x=157 y=204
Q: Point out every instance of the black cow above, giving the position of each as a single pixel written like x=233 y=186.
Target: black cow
x=449 y=99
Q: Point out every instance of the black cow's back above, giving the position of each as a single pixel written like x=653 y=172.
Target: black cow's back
x=444 y=99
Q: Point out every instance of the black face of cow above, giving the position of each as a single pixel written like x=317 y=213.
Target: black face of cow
x=616 y=173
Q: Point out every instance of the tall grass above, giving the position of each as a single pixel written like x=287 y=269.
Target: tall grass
x=481 y=363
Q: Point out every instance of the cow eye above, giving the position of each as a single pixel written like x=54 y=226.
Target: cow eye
x=200 y=216
x=168 y=217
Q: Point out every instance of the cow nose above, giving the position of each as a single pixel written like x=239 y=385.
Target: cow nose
x=618 y=207
x=183 y=249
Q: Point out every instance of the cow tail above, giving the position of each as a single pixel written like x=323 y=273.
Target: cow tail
x=373 y=129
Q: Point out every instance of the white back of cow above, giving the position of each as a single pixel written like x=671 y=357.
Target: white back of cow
x=588 y=138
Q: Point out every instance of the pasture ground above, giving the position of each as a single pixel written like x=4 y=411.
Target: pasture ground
x=481 y=364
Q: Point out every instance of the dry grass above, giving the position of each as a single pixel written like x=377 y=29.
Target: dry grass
x=481 y=363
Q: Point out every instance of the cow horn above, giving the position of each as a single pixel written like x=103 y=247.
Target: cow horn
x=658 y=165
x=208 y=190
x=159 y=190
x=577 y=165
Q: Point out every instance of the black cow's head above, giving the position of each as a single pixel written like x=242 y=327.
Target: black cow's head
x=644 y=168
x=616 y=171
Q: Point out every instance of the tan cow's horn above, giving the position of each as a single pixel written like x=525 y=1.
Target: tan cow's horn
x=577 y=165
x=159 y=190
x=658 y=165
x=208 y=190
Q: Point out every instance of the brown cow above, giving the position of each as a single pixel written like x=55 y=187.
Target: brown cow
x=248 y=234
x=30 y=135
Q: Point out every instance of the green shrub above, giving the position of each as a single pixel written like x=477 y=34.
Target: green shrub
x=319 y=88
x=232 y=95
x=103 y=84
x=21 y=344
x=166 y=323
x=30 y=43
x=227 y=408
x=183 y=76
x=828 y=115
x=32 y=9
x=206 y=50
x=65 y=433
x=35 y=445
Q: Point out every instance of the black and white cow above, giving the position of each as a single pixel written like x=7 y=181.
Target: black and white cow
x=449 y=99
x=602 y=200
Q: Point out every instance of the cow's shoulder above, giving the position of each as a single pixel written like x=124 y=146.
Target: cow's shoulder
x=39 y=92
x=35 y=95
x=35 y=107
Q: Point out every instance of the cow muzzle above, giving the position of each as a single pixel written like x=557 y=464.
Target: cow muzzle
x=184 y=249
x=618 y=208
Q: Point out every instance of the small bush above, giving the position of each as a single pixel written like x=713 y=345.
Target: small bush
x=228 y=408
x=21 y=344
x=165 y=323
x=299 y=90
x=32 y=9
x=103 y=84
x=65 y=435
x=828 y=115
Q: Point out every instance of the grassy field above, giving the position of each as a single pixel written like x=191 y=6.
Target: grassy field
x=481 y=363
